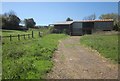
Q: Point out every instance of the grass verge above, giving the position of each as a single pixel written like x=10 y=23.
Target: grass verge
x=106 y=45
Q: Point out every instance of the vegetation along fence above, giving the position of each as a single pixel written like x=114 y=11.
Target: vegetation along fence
x=23 y=35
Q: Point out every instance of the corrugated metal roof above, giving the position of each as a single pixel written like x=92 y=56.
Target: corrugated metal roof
x=63 y=23
x=102 y=20
x=70 y=22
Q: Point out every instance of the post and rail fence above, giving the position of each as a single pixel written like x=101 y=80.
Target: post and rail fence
x=25 y=36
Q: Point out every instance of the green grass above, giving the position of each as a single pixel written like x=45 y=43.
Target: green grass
x=29 y=59
x=16 y=32
x=107 y=45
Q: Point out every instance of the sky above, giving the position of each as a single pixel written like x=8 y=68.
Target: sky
x=45 y=13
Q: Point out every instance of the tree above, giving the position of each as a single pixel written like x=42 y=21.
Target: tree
x=109 y=16
x=13 y=20
x=0 y=21
x=113 y=16
x=29 y=23
x=90 y=17
x=10 y=20
x=69 y=19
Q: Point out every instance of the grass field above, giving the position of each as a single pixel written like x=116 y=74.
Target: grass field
x=106 y=45
x=16 y=32
x=28 y=59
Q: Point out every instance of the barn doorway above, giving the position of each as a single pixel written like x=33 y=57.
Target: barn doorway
x=77 y=28
x=88 y=27
x=87 y=31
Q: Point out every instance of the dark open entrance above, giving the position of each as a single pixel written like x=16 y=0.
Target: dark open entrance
x=85 y=31
x=77 y=28
x=88 y=27
x=61 y=29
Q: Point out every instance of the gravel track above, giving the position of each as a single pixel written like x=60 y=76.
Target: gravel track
x=73 y=61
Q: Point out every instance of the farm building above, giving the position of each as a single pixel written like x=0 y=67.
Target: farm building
x=83 y=27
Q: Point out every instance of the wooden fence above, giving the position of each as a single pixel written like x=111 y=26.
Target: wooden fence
x=23 y=35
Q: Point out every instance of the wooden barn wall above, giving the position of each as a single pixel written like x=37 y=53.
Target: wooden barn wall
x=80 y=28
x=77 y=28
x=61 y=28
x=88 y=27
x=103 y=26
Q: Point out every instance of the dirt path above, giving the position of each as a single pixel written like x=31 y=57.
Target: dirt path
x=73 y=61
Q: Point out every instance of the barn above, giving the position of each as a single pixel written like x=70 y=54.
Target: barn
x=83 y=27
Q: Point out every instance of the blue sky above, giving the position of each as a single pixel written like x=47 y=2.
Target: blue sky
x=45 y=13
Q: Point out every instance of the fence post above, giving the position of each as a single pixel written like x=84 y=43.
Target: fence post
x=40 y=35
x=18 y=37
x=24 y=36
x=10 y=38
x=32 y=34
x=28 y=36
x=0 y=37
